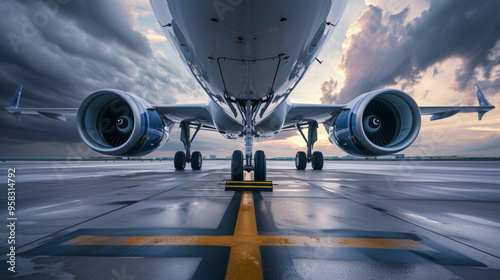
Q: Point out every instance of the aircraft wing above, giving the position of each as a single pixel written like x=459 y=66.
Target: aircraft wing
x=306 y=113
x=442 y=112
x=59 y=114
x=188 y=113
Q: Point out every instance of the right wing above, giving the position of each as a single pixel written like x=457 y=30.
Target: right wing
x=188 y=113
x=49 y=113
x=442 y=112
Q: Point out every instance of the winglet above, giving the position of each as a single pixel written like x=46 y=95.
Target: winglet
x=481 y=98
x=14 y=104
x=483 y=102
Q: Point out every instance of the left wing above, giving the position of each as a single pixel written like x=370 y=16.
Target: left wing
x=320 y=113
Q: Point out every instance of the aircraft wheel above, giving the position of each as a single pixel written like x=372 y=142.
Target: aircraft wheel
x=300 y=160
x=237 y=166
x=196 y=160
x=260 y=166
x=180 y=160
x=317 y=160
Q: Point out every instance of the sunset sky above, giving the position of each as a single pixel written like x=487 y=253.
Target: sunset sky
x=434 y=50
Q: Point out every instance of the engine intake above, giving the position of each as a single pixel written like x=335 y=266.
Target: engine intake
x=381 y=122
x=115 y=122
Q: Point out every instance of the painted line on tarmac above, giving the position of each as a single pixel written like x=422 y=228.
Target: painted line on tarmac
x=248 y=245
x=274 y=190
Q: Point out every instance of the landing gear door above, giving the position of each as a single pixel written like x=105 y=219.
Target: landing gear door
x=240 y=76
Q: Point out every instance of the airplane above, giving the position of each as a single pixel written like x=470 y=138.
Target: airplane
x=248 y=56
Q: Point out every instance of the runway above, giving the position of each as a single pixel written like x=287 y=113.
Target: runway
x=352 y=220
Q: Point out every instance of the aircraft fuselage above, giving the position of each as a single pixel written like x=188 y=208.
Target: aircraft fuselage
x=248 y=50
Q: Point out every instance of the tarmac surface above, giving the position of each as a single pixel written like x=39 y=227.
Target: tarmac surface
x=352 y=220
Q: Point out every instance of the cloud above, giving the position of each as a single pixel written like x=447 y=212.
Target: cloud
x=64 y=50
x=327 y=89
x=385 y=49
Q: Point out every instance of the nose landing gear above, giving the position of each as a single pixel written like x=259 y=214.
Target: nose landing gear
x=239 y=164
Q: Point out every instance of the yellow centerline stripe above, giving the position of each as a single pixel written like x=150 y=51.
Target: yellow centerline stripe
x=245 y=261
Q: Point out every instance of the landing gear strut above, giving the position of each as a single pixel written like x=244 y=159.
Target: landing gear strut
x=181 y=158
x=316 y=158
x=238 y=164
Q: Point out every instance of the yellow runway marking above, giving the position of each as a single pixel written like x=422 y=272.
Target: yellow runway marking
x=248 y=182
x=249 y=186
x=276 y=190
x=257 y=240
x=245 y=261
x=205 y=190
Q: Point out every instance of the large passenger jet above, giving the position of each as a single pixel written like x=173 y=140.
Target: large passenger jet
x=248 y=56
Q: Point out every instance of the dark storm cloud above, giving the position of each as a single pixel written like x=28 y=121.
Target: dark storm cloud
x=107 y=21
x=389 y=51
x=62 y=50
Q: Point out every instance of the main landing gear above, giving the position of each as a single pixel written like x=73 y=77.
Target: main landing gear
x=181 y=158
x=316 y=158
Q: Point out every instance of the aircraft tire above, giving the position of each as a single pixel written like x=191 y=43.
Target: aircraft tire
x=260 y=166
x=180 y=160
x=317 y=160
x=237 y=166
x=196 y=160
x=301 y=160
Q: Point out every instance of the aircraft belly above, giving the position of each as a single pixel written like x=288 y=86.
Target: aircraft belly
x=255 y=50
x=264 y=130
x=249 y=79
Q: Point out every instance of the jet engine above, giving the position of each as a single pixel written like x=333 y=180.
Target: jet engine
x=118 y=123
x=377 y=123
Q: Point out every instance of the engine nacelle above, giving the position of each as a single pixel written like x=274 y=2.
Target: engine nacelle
x=117 y=123
x=380 y=122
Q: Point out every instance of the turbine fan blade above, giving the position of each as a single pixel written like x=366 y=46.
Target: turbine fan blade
x=111 y=134
x=387 y=115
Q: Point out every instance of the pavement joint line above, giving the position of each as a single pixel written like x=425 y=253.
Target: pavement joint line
x=411 y=223
x=95 y=217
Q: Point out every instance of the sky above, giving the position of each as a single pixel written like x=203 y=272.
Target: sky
x=435 y=50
